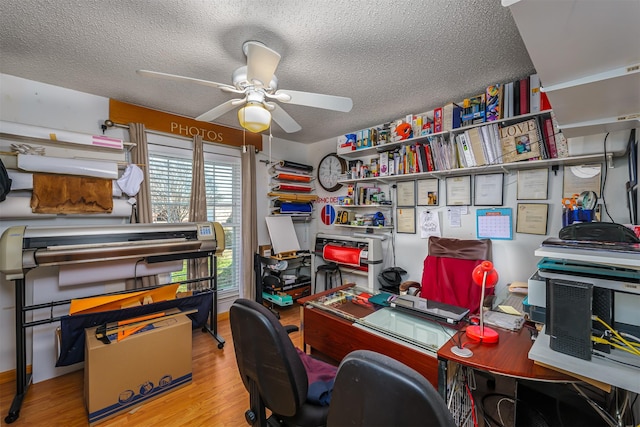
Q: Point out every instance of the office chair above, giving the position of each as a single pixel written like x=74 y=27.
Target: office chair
x=446 y=276
x=372 y=389
x=271 y=369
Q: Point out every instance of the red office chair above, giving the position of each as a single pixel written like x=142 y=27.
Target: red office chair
x=446 y=276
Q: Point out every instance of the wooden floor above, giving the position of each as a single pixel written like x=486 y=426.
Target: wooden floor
x=216 y=396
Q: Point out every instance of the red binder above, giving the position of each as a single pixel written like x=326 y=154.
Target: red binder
x=524 y=95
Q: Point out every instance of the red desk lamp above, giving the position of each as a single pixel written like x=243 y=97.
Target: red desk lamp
x=485 y=276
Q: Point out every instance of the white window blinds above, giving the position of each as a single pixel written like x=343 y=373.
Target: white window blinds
x=170 y=184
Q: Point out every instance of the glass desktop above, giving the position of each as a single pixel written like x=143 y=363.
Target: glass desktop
x=352 y=304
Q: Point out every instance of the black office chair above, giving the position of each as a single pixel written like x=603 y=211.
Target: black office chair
x=372 y=389
x=271 y=368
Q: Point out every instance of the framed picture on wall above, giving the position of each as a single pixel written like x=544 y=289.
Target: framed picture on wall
x=406 y=220
x=406 y=191
x=532 y=218
x=487 y=189
x=458 y=190
x=428 y=192
x=581 y=178
x=533 y=184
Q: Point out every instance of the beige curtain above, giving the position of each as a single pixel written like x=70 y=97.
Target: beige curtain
x=249 y=220
x=140 y=156
x=197 y=268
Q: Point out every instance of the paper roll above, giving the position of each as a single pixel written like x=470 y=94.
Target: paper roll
x=77 y=274
x=19 y=207
x=24 y=181
x=95 y=168
x=20 y=180
x=342 y=255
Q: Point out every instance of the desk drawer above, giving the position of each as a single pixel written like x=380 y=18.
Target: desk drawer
x=335 y=337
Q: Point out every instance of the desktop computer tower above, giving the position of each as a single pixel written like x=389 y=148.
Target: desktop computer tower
x=568 y=317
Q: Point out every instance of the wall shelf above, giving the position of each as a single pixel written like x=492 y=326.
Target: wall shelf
x=476 y=170
x=597 y=90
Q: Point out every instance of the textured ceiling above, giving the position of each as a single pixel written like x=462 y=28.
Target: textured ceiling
x=391 y=57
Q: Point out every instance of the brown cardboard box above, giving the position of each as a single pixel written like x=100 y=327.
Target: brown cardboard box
x=122 y=375
x=264 y=250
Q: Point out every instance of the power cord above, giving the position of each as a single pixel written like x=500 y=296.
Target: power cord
x=604 y=178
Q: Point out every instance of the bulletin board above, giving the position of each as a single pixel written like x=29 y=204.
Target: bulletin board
x=496 y=223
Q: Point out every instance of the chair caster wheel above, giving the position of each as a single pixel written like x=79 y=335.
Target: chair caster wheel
x=11 y=418
x=250 y=416
x=220 y=346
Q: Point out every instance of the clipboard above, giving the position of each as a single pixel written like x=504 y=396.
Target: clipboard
x=495 y=223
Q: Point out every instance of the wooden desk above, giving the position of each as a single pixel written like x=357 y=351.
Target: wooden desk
x=334 y=337
x=509 y=357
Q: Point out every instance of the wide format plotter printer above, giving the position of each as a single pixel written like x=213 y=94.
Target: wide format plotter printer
x=359 y=255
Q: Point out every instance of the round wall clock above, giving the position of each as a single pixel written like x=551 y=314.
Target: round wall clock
x=329 y=170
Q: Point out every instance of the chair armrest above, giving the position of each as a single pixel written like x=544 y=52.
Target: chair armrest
x=291 y=328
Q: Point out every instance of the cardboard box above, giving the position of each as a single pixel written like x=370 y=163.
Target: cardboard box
x=122 y=375
x=265 y=250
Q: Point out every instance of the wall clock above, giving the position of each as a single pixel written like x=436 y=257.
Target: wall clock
x=329 y=170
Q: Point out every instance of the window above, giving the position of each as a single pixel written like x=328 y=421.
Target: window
x=170 y=184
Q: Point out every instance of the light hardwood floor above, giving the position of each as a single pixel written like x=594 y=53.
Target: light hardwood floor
x=216 y=396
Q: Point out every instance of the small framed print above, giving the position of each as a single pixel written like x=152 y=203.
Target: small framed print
x=428 y=192
x=458 y=190
x=581 y=178
x=532 y=218
x=487 y=189
x=406 y=220
x=406 y=191
x=533 y=184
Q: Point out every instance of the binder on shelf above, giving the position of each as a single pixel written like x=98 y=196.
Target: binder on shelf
x=524 y=95
x=534 y=93
x=451 y=116
x=550 y=138
x=475 y=142
x=516 y=98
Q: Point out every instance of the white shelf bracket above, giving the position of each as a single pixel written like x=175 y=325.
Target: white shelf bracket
x=610 y=160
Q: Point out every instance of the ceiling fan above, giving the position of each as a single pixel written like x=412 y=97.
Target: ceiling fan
x=258 y=87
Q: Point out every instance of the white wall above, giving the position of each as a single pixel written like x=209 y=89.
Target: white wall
x=32 y=103
x=513 y=259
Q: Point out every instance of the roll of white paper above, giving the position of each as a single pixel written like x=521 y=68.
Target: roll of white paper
x=24 y=181
x=77 y=274
x=20 y=207
x=20 y=180
x=96 y=168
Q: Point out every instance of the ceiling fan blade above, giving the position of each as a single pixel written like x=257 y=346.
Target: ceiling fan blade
x=261 y=63
x=317 y=100
x=158 y=75
x=221 y=109
x=284 y=120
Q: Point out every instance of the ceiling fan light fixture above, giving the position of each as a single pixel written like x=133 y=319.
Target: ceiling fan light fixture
x=254 y=117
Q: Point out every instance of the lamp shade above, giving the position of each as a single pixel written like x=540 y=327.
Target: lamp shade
x=254 y=117
x=478 y=274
